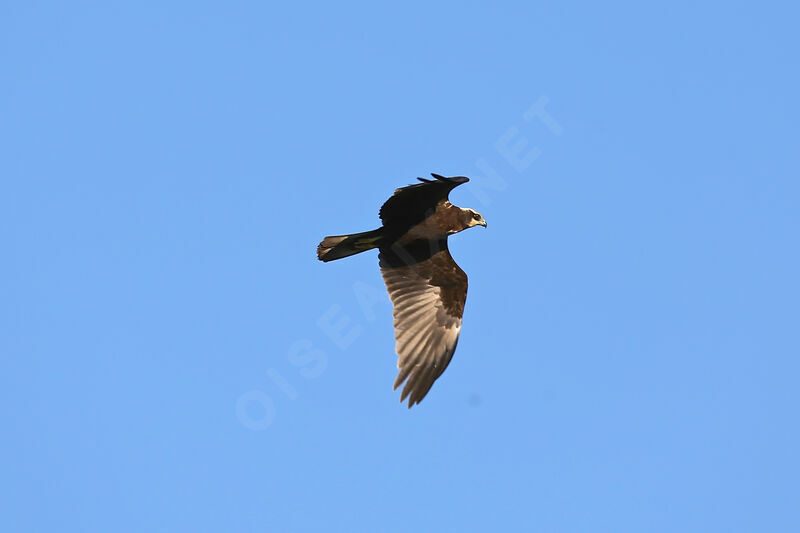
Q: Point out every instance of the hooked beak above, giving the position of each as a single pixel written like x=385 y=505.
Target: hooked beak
x=483 y=222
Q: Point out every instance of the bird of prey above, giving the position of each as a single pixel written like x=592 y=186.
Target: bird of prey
x=426 y=286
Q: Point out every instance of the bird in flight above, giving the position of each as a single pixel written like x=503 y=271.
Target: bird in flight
x=426 y=286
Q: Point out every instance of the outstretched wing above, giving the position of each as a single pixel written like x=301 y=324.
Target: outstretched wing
x=410 y=205
x=428 y=298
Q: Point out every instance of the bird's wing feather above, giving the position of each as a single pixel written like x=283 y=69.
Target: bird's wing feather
x=410 y=205
x=428 y=298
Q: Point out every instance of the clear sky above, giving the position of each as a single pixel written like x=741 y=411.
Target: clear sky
x=173 y=357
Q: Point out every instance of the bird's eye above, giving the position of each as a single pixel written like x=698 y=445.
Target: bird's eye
x=476 y=216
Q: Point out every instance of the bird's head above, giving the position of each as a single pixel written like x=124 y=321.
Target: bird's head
x=472 y=218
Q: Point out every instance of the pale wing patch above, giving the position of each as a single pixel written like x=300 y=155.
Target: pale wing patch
x=426 y=334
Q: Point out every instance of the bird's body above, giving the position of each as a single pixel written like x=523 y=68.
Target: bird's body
x=427 y=288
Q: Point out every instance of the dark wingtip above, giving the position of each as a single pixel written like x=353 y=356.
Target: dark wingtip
x=425 y=180
x=454 y=179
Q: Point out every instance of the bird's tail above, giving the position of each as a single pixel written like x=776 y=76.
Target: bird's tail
x=338 y=246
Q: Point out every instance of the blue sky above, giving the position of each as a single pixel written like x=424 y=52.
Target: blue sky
x=174 y=357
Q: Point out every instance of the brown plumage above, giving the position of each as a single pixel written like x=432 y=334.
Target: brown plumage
x=427 y=288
